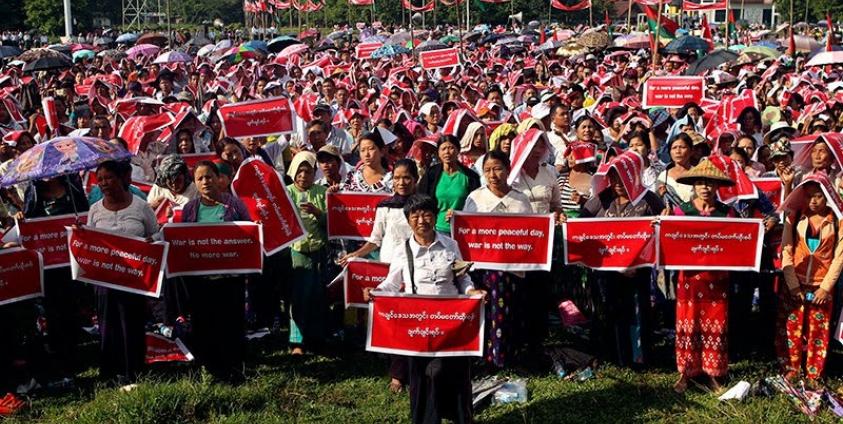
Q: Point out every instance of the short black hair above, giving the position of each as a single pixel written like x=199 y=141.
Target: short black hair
x=448 y=139
x=411 y=166
x=420 y=202
x=207 y=164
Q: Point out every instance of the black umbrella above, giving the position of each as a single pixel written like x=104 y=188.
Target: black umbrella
x=280 y=43
x=48 y=62
x=687 y=44
x=8 y=51
x=711 y=61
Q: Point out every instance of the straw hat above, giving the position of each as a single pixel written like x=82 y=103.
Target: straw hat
x=707 y=171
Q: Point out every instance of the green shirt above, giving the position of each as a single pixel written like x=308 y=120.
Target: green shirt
x=210 y=213
x=317 y=236
x=451 y=192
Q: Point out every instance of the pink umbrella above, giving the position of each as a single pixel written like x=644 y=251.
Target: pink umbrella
x=173 y=57
x=826 y=58
x=563 y=34
x=142 y=50
x=633 y=41
x=294 y=49
x=76 y=47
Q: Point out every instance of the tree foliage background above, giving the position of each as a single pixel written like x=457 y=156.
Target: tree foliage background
x=816 y=10
x=47 y=15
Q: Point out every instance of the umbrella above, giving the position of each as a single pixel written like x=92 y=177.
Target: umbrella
x=112 y=54
x=257 y=45
x=280 y=43
x=223 y=45
x=83 y=54
x=8 y=51
x=389 y=50
x=761 y=52
x=308 y=33
x=472 y=36
x=803 y=43
x=338 y=35
x=76 y=47
x=528 y=39
x=431 y=45
x=61 y=48
x=62 y=156
x=103 y=41
x=205 y=50
x=173 y=57
x=493 y=37
x=158 y=39
x=449 y=39
x=199 y=39
x=127 y=38
x=636 y=40
x=238 y=54
x=687 y=44
x=142 y=50
x=294 y=49
x=826 y=58
x=44 y=59
x=564 y=34
x=506 y=41
x=737 y=47
x=399 y=38
x=710 y=61
x=594 y=39
x=571 y=49
x=34 y=54
x=377 y=38
x=773 y=44
x=550 y=45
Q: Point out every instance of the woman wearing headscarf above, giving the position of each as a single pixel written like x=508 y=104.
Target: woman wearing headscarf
x=218 y=301
x=501 y=138
x=308 y=304
x=449 y=182
x=574 y=182
x=172 y=182
x=497 y=196
x=430 y=115
x=473 y=146
x=439 y=387
x=702 y=296
x=812 y=258
x=622 y=319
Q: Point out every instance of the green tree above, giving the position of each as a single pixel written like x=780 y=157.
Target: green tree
x=816 y=10
x=47 y=16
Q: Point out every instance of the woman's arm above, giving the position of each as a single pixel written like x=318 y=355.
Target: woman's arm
x=836 y=264
x=788 y=243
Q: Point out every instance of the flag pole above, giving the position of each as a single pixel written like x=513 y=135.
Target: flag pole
x=728 y=18
x=590 y=17
x=629 y=18
x=656 y=37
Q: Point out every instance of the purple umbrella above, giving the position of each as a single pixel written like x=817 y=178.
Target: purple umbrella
x=173 y=57
x=62 y=156
x=142 y=50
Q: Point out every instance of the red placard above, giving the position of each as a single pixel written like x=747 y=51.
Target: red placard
x=48 y=236
x=359 y=274
x=260 y=187
x=143 y=186
x=364 y=50
x=506 y=242
x=443 y=58
x=672 y=91
x=772 y=188
x=162 y=349
x=213 y=249
x=164 y=211
x=432 y=326
x=257 y=118
x=723 y=244
x=191 y=159
x=116 y=261
x=612 y=244
x=21 y=275
x=352 y=215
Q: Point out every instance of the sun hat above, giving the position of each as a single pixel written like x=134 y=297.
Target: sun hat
x=707 y=171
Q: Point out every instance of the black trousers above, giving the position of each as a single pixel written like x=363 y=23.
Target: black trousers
x=218 y=322
x=399 y=368
x=266 y=289
x=745 y=334
x=622 y=319
x=122 y=317
x=535 y=302
x=62 y=308
x=440 y=388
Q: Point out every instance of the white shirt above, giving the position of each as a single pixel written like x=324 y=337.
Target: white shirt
x=483 y=200
x=157 y=192
x=432 y=266
x=275 y=150
x=137 y=219
x=543 y=191
x=390 y=231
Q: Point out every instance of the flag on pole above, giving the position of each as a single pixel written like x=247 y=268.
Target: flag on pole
x=668 y=27
x=706 y=32
x=829 y=40
x=731 y=27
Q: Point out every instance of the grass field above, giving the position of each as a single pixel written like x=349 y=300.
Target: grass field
x=351 y=388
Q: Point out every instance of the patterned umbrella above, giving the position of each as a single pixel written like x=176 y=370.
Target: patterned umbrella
x=636 y=40
x=239 y=54
x=389 y=51
x=174 y=57
x=142 y=50
x=127 y=38
x=594 y=39
x=256 y=45
x=294 y=49
x=62 y=156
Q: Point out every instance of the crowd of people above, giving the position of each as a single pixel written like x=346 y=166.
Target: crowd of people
x=438 y=141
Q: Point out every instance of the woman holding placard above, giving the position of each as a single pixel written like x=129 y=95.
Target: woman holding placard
x=702 y=302
x=812 y=258
x=439 y=387
x=497 y=196
x=121 y=315
x=217 y=303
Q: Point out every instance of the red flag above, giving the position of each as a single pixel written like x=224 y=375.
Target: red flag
x=829 y=40
x=582 y=5
x=706 y=32
x=688 y=5
x=791 y=44
x=606 y=19
x=408 y=4
x=361 y=2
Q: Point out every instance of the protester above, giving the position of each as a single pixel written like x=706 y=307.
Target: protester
x=449 y=182
x=217 y=302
